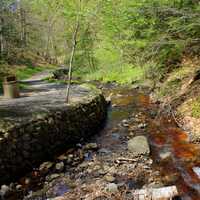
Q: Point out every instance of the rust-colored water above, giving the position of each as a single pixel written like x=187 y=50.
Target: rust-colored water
x=165 y=136
x=178 y=168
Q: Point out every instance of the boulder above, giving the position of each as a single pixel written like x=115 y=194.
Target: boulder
x=139 y=146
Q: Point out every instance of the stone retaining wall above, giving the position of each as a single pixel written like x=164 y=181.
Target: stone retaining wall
x=27 y=143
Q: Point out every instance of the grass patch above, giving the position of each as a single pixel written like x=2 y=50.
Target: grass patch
x=27 y=72
x=24 y=72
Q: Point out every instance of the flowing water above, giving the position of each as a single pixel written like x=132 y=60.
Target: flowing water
x=173 y=154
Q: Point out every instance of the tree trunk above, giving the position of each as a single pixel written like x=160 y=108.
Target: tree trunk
x=74 y=43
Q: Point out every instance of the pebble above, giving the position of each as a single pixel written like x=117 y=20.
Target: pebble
x=112 y=188
x=62 y=157
x=52 y=176
x=115 y=136
x=60 y=166
x=45 y=167
x=165 y=155
x=83 y=165
x=91 y=146
x=27 y=181
x=104 y=151
x=141 y=126
x=18 y=187
x=109 y=178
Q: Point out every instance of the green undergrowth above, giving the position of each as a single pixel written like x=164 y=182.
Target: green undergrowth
x=195 y=107
x=126 y=74
x=174 y=81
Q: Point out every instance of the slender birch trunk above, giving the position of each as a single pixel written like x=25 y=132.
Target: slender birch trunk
x=74 y=44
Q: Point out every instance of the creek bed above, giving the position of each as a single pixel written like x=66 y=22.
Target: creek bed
x=102 y=163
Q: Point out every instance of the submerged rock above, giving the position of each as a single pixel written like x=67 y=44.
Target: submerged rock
x=139 y=145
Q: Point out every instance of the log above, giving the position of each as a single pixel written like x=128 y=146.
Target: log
x=165 y=193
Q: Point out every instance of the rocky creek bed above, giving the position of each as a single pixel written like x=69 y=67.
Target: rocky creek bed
x=136 y=149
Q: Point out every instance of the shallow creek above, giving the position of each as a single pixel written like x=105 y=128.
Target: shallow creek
x=177 y=160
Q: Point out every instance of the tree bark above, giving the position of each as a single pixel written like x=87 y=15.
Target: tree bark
x=71 y=59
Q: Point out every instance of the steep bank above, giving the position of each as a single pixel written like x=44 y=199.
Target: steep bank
x=179 y=94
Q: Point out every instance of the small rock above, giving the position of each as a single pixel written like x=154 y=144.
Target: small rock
x=19 y=187
x=131 y=134
x=45 y=167
x=97 y=167
x=197 y=171
x=109 y=99
x=124 y=121
x=4 y=190
x=165 y=155
x=142 y=126
x=27 y=181
x=91 y=146
x=112 y=188
x=109 y=178
x=115 y=136
x=88 y=156
x=60 y=166
x=62 y=157
x=52 y=176
x=83 y=165
x=104 y=151
x=139 y=146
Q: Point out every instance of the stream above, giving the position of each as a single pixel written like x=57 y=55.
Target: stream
x=94 y=164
